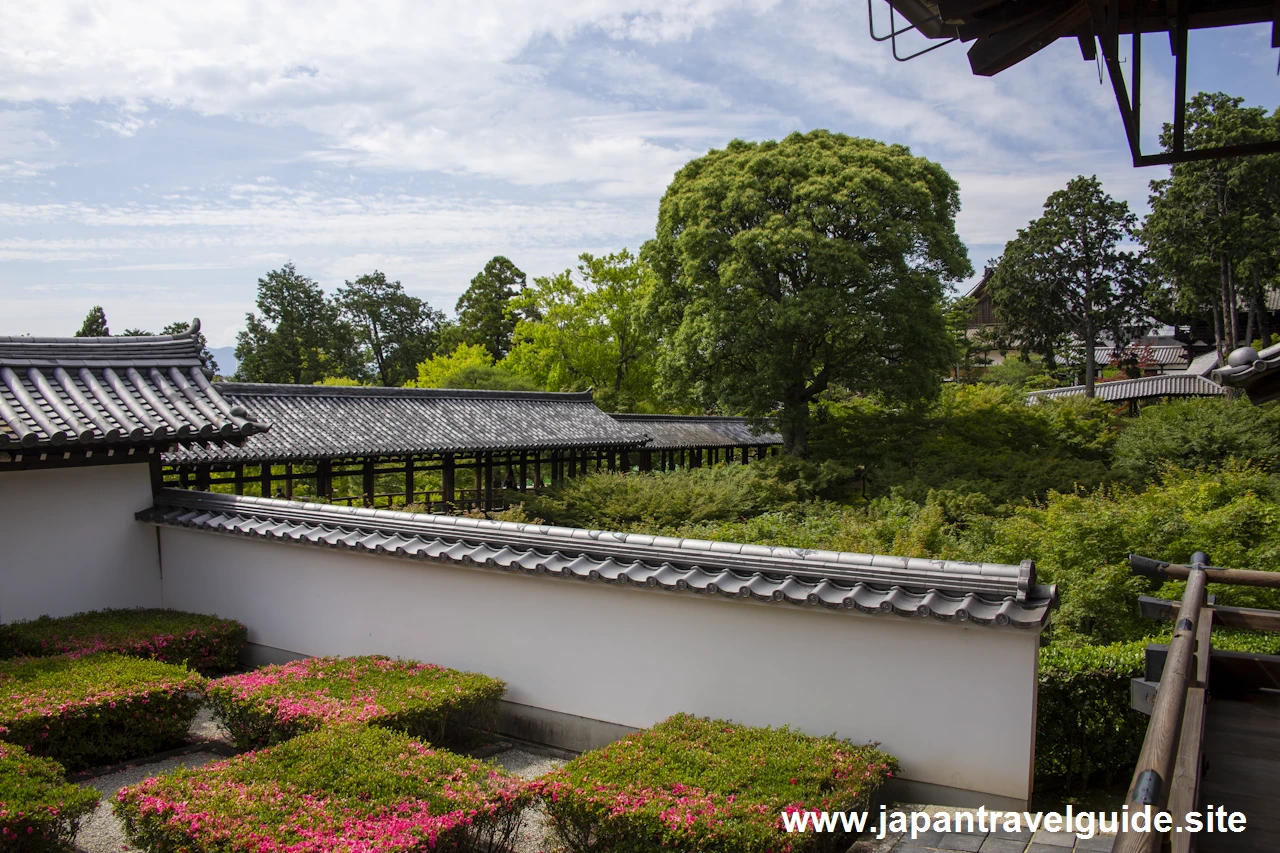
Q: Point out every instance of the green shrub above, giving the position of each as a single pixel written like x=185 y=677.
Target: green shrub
x=1082 y=541
x=711 y=786
x=1198 y=433
x=1085 y=729
x=976 y=438
x=613 y=501
x=206 y=644
x=97 y=709
x=343 y=788
x=278 y=702
x=39 y=810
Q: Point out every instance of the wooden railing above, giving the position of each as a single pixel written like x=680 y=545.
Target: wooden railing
x=1167 y=776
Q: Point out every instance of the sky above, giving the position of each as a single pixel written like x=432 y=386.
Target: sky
x=158 y=158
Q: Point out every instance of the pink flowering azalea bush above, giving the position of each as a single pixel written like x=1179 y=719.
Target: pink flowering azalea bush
x=206 y=644
x=710 y=786
x=277 y=702
x=98 y=709
x=344 y=789
x=39 y=810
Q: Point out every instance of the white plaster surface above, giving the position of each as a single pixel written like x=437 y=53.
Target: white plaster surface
x=69 y=542
x=954 y=702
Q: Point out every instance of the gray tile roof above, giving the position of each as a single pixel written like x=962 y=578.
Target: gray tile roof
x=1146 y=387
x=1205 y=363
x=324 y=421
x=982 y=593
x=66 y=393
x=1149 y=354
x=1258 y=373
x=667 y=431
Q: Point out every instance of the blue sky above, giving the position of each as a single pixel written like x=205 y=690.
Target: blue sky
x=158 y=158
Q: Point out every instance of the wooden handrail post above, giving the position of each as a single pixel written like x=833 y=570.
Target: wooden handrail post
x=1153 y=777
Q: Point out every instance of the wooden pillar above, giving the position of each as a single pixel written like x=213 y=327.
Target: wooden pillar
x=239 y=478
x=324 y=479
x=202 y=478
x=573 y=463
x=479 y=480
x=537 y=472
x=626 y=462
x=446 y=481
x=368 y=482
x=488 y=481
x=288 y=480
x=760 y=452
x=524 y=471
x=264 y=477
x=646 y=460
x=408 y=480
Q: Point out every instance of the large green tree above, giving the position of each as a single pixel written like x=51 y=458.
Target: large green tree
x=589 y=331
x=1213 y=223
x=1065 y=279
x=484 y=310
x=95 y=324
x=786 y=267
x=300 y=337
x=397 y=330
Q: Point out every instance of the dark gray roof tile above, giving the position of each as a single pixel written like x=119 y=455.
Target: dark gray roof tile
x=89 y=393
x=322 y=421
x=676 y=431
x=1146 y=387
x=984 y=593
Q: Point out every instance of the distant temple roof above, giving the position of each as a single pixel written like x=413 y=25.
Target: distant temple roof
x=114 y=392
x=668 y=431
x=326 y=421
x=992 y=594
x=1145 y=388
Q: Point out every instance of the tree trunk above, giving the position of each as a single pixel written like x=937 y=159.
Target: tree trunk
x=1252 y=321
x=1218 y=340
x=1264 y=324
x=794 y=426
x=1090 y=360
x=1228 y=302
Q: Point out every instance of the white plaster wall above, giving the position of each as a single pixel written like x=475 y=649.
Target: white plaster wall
x=69 y=542
x=955 y=703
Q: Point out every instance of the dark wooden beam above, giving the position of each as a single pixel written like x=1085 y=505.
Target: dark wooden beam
x=991 y=54
x=1229 y=617
x=1172 y=571
x=447 y=481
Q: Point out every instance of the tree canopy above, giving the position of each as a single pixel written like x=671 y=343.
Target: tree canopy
x=397 y=330
x=1064 y=280
x=95 y=324
x=1213 y=223
x=783 y=268
x=589 y=331
x=484 y=315
x=468 y=366
x=300 y=337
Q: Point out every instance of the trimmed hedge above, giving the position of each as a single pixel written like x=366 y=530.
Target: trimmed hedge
x=711 y=786
x=275 y=703
x=344 y=788
x=206 y=644
x=39 y=809
x=1085 y=729
x=97 y=709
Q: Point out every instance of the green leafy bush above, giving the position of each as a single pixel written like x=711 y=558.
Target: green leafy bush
x=1198 y=433
x=343 y=789
x=278 y=702
x=619 y=501
x=97 y=709
x=206 y=644
x=711 y=786
x=1085 y=729
x=976 y=438
x=39 y=810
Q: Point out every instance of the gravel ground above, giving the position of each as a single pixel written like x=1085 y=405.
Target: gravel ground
x=100 y=832
x=527 y=765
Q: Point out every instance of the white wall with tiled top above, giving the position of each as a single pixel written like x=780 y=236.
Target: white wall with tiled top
x=955 y=702
x=68 y=541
